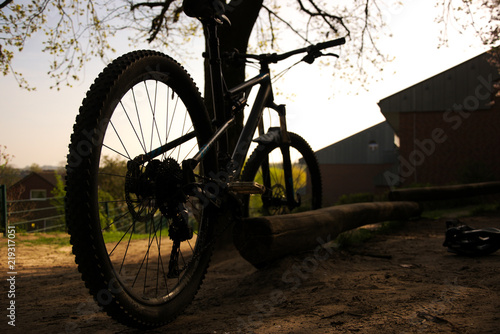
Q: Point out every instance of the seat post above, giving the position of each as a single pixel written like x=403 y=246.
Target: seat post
x=217 y=85
x=215 y=66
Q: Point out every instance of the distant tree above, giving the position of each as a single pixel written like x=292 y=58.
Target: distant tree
x=8 y=174
x=5 y=157
x=8 y=177
x=75 y=31
x=482 y=15
x=34 y=167
x=57 y=197
x=111 y=177
x=110 y=192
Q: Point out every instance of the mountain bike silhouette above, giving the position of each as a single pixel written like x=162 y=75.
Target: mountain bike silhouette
x=144 y=252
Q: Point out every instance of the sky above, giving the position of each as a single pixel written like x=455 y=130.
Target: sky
x=36 y=126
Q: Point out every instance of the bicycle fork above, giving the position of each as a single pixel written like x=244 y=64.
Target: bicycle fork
x=280 y=135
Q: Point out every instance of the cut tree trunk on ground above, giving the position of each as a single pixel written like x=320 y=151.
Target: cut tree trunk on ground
x=262 y=240
x=445 y=192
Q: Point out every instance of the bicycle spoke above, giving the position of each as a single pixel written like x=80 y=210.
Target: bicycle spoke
x=146 y=257
x=133 y=127
x=143 y=142
x=160 y=261
x=193 y=148
x=169 y=118
x=121 y=141
x=154 y=125
x=175 y=144
x=108 y=226
x=126 y=249
x=119 y=241
x=169 y=127
x=182 y=131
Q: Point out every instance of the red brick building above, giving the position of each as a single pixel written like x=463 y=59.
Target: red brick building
x=31 y=200
x=34 y=186
x=357 y=164
x=448 y=126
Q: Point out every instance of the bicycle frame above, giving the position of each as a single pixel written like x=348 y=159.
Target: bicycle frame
x=238 y=98
x=219 y=95
x=263 y=99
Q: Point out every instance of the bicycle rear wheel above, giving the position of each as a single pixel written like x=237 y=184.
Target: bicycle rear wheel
x=265 y=166
x=142 y=242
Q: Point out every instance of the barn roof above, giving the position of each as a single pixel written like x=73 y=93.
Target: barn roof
x=374 y=145
x=48 y=177
x=467 y=85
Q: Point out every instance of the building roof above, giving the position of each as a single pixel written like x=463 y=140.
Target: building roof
x=48 y=177
x=374 y=145
x=465 y=86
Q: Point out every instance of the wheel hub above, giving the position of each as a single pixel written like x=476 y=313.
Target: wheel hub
x=168 y=190
x=158 y=186
x=139 y=189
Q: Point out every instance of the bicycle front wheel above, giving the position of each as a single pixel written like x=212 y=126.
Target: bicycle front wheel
x=266 y=166
x=142 y=242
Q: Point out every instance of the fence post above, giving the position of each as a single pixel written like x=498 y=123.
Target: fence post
x=3 y=208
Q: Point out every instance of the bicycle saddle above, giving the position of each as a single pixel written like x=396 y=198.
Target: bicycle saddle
x=465 y=240
x=203 y=8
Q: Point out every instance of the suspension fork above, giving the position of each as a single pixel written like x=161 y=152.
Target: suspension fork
x=287 y=161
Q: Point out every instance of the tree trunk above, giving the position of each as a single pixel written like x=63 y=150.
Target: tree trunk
x=243 y=14
x=262 y=240
x=445 y=192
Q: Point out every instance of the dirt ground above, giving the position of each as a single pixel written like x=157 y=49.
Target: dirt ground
x=403 y=281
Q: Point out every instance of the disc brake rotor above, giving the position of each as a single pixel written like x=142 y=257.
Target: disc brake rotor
x=139 y=190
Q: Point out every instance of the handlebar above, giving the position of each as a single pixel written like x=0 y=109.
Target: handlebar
x=313 y=51
x=330 y=44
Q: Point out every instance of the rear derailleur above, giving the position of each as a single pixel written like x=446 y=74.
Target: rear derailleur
x=159 y=185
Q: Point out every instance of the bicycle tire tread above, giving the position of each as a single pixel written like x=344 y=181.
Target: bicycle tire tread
x=302 y=146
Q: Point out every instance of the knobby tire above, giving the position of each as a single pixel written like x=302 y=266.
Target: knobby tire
x=125 y=287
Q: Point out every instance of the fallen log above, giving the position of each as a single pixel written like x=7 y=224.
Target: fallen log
x=261 y=240
x=445 y=192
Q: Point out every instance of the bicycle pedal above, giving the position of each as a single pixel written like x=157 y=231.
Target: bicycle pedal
x=250 y=187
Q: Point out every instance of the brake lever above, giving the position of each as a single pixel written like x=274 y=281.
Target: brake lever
x=222 y=19
x=312 y=55
x=331 y=55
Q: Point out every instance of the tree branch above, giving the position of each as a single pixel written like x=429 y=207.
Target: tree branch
x=325 y=16
x=158 y=20
x=5 y=3
x=365 y=26
x=149 y=4
x=273 y=13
